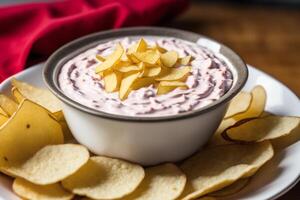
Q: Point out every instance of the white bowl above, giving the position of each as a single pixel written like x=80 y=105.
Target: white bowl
x=144 y=140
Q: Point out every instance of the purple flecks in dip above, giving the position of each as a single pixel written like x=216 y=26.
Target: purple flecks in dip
x=209 y=80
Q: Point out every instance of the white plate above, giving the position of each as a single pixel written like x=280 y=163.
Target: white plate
x=272 y=181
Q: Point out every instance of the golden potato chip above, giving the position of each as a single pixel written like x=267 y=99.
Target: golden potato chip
x=50 y=164
x=28 y=130
x=2 y=112
x=3 y=119
x=152 y=71
x=161 y=182
x=185 y=60
x=217 y=138
x=169 y=58
x=260 y=129
x=8 y=105
x=140 y=46
x=126 y=84
x=167 y=86
x=287 y=140
x=111 y=60
x=68 y=136
x=239 y=104
x=105 y=178
x=17 y=95
x=59 y=116
x=40 y=96
x=100 y=58
x=257 y=104
x=231 y=189
x=112 y=81
x=128 y=68
x=175 y=74
x=150 y=57
x=32 y=191
x=159 y=48
x=143 y=82
x=217 y=167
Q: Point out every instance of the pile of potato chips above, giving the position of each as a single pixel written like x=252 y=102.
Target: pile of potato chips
x=39 y=152
x=142 y=65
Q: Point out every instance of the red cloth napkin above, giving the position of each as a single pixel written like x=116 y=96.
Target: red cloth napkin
x=31 y=32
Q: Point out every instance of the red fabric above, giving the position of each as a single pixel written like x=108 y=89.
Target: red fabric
x=35 y=30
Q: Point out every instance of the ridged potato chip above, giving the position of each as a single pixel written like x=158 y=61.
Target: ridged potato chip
x=8 y=105
x=217 y=167
x=260 y=129
x=169 y=58
x=161 y=182
x=126 y=84
x=239 y=104
x=32 y=191
x=175 y=74
x=231 y=189
x=257 y=105
x=50 y=164
x=105 y=178
x=28 y=130
x=40 y=96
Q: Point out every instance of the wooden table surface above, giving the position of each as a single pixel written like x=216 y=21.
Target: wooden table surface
x=267 y=37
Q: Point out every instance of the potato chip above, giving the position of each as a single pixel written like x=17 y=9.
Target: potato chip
x=239 y=104
x=100 y=58
x=185 y=60
x=32 y=191
x=8 y=105
x=3 y=119
x=287 y=140
x=152 y=71
x=161 y=182
x=169 y=58
x=141 y=46
x=126 y=84
x=159 y=48
x=128 y=68
x=266 y=128
x=50 y=164
x=143 y=82
x=2 y=112
x=217 y=138
x=112 y=81
x=167 y=86
x=175 y=74
x=17 y=95
x=231 y=189
x=40 y=96
x=257 y=104
x=111 y=60
x=150 y=57
x=29 y=129
x=105 y=178
x=217 y=167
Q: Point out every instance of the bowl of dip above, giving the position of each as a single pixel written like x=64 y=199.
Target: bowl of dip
x=145 y=128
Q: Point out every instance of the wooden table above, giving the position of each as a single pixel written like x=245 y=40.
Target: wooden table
x=267 y=37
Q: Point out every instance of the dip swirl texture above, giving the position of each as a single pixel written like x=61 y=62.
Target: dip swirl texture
x=210 y=79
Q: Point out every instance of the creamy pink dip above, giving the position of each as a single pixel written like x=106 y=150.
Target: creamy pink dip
x=209 y=80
